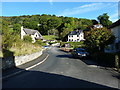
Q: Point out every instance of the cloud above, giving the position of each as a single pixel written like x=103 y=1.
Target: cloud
x=84 y=9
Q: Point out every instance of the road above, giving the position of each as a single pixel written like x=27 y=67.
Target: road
x=60 y=70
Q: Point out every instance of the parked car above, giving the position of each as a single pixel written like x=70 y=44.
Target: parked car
x=79 y=53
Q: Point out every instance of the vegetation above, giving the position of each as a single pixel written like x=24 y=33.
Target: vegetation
x=97 y=39
x=50 y=37
x=104 y=20
x=27 y=38
x=11 y=42
x=23 y=48
x=48 y=24
x=73 y=44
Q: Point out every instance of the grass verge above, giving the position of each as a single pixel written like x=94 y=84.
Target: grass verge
x=25 y=48
x=49 y=37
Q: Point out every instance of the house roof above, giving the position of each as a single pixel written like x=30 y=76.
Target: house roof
x=32 y=32
x=117 y=23
x=77 y=32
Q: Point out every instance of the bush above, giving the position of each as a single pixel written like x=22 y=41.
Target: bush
x=39 y=42
x=27 y=39
x=107 y=59
x=73 y=44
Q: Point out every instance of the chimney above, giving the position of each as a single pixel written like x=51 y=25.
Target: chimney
x=21 y=32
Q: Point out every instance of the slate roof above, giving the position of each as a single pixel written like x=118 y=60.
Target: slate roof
x=117 y=23
x=77 y=32
x=31 y=32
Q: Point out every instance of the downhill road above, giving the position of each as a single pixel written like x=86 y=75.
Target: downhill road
x=60 y=70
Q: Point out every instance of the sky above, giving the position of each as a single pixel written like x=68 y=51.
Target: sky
x=89 y=10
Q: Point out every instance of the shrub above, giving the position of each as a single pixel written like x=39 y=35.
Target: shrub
x=73 y=44
x=39 y=42
x=27 y=38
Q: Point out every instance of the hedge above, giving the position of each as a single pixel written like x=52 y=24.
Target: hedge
x=107 y=59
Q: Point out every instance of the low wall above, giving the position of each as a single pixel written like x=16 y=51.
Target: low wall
x=26 y=58
x=12 y=61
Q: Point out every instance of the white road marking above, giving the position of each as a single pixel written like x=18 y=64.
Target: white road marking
x=37 y=63
x=26 y=68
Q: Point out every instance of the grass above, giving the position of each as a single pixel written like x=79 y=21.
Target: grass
x=49 y=37
x=1 y=54
x=25 y=48
x=22 y=49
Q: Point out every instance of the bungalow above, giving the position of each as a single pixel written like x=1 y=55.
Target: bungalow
x=76 y=36
x=33 y=33
x=115 y=47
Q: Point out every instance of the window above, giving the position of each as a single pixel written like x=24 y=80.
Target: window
x=81 y=35
x=69 y=39
x=77 y=39
x=77 y=35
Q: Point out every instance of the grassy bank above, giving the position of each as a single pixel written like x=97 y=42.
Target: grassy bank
x=50 y=37
x=22 y=48
x=1 y=54
x=25 y=48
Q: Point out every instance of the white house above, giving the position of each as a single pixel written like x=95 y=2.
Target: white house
x=33 y=33
x=97 y=26
x=76 y=36
x=115 y=47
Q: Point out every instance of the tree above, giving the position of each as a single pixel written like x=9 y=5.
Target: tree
x=94 y=22
x=99 y=38
x=7 y=36
x=27 y=38
x=17 y=28
x=53 y=23
x=104 y=20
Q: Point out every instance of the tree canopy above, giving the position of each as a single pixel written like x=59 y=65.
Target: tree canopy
x=104 y=20
x=98 y=38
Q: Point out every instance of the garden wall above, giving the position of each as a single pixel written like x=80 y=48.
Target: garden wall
x=12 y=61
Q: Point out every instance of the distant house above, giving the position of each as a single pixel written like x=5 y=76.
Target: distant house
x=115 y=47
x=75 y=36
x=97 y=26
x=93 y=27
x=33 y=33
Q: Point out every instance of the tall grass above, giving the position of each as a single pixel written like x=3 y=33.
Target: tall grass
x=22 y=48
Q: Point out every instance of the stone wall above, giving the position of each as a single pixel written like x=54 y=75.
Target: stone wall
x=12 y=61
x=26 y=58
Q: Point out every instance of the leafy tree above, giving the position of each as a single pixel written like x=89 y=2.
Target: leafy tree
x=7 y=36
x=104 y=20
x=33 y=25
x=53 y=23
x=27 y=38
x=94 y=22
x=98 y=38
x=17 y=28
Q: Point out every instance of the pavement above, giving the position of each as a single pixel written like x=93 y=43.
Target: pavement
x=61 y=70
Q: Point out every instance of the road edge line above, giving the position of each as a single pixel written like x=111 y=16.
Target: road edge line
x=26 y=68
x=37 y=63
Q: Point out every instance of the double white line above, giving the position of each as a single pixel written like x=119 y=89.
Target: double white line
x=28 y=68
